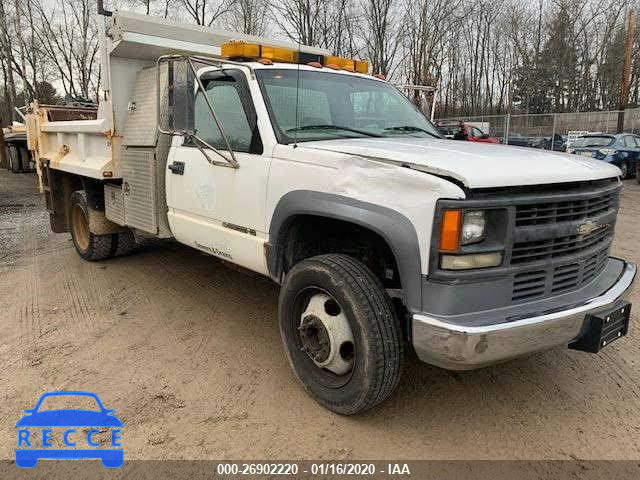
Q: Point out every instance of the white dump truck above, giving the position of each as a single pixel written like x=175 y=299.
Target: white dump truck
x=303 y=167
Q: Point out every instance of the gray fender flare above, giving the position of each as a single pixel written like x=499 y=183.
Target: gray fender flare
x=392 y=226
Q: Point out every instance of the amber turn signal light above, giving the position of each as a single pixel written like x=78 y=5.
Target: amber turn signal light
x=450 y=231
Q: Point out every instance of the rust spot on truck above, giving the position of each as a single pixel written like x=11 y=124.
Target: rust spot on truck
x=62 y=151
x=110 y=134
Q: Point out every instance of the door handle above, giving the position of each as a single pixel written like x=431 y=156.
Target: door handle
x=177 y=168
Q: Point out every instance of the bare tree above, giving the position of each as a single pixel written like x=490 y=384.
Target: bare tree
x=382 y=34
x=205 y=12
x=485 y=56
x=8 y=61
x=249 y=16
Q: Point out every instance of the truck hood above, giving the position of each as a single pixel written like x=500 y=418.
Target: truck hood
x=476 y=165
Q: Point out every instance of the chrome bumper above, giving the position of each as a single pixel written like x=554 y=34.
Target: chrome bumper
x=458 y=347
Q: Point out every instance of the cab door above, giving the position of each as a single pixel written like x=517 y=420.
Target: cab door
x=215 y=208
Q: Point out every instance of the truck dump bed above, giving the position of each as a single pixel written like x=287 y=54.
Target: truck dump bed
x=129 y=42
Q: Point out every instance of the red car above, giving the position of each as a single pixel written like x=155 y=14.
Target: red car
x=457 y=130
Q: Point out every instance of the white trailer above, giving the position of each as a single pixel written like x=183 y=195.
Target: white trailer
x=299 y=165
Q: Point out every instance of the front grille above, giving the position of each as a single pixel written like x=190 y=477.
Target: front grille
x=564 y=211
x=550 y=252
x=559 y=279
x=560 y=246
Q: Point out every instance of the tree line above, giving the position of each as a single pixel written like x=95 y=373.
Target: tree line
x=484 y=56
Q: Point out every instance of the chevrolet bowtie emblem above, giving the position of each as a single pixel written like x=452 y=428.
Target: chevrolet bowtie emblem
x=588 y=227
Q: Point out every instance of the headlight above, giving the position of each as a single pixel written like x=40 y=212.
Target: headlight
x=468 y=262
x=474 y=224
x=460 y=228
x=570 y=150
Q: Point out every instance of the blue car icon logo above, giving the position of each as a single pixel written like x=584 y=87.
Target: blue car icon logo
x=77 y=429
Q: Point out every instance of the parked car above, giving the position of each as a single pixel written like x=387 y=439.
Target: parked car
x=464 y=131
x=621 y=150
x=517 y=140
x=555 y=143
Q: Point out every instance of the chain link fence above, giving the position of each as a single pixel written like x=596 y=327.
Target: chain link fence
x=550 y=131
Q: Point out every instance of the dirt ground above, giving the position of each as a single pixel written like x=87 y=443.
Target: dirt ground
x=188 y=353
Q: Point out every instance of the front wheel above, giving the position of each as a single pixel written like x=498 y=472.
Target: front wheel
x=343 y=340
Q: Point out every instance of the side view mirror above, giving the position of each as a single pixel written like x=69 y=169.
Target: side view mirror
x=176 y=97
x=177 y=85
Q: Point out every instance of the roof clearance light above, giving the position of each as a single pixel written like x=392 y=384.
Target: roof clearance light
x=348 y=64
x=279 y=54
x=342 y=63
x=361 y=66
x=254 y=51
x=240 y=50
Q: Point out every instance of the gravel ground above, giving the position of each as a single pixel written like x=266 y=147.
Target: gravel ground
x=188 y=353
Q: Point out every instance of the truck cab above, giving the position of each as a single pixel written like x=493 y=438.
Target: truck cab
x=383 y=235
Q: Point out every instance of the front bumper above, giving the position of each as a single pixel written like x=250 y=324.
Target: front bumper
x=460 y=347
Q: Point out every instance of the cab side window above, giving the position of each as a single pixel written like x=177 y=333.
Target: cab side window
x=225 y=95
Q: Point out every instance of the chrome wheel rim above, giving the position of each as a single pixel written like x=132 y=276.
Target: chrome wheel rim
x=326 y=336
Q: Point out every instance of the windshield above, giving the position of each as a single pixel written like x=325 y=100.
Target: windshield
x=332 y=106
x=595 y=141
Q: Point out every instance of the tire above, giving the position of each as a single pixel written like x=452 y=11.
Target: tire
x=15 y=165
x=125 y=243
x=88 y=245
x=624 y=168
x=357 y=297
x=25 y=160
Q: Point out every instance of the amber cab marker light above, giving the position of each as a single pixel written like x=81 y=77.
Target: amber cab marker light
x=450 y=231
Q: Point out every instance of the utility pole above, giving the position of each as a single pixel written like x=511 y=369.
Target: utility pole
x=626 y=68
x=4 y=161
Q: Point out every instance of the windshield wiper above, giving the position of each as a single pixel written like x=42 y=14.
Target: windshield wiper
x=411 y=128
x=332 y=127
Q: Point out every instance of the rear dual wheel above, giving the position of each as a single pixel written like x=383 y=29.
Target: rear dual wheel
x=89 y=245
x=342 y=337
